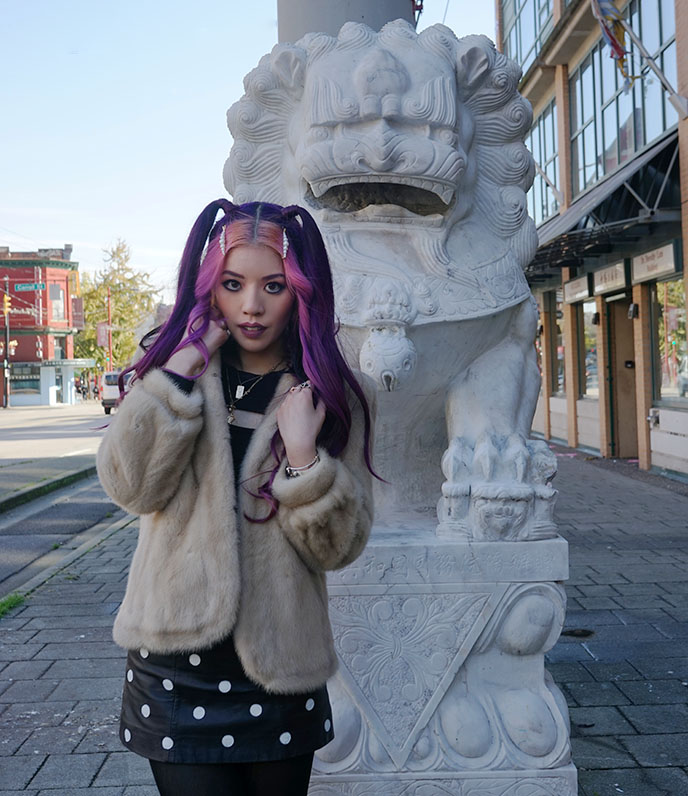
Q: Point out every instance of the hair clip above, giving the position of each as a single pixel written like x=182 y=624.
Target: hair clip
x=223 y=242
x=203 y=255
x=285 y=244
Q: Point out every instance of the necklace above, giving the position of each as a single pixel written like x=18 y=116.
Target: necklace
x=241 y=391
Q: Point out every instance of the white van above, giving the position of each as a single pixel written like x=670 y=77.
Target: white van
x=109 y=390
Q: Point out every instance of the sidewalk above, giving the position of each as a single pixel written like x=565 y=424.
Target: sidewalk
x=622 y=662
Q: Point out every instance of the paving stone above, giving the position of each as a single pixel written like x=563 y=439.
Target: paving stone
x=656 y=719
x=663 y=668
x=124 y=768
x=139 y=790
x=634 y=616
x=672 y=629
x=37 y=714
x=29 y=691
x=569 y=672
x=88 y=688
x=74 y=609
x=567 y=653
x=633 y=601
x=16 y=772
x=659 y=750
x=68 y=771
x=591 y=618
x=16 y=636
x=71 y=635
x=611 y=651
x=68 y=622
x=611 y=671
x=77 y=650
x=93 y=713
x=51 y=740
x=600 y=603
x=596 y=694
x=600 y=752
x=101 y=667
x=634 y=782
x=12 y=736
x=659 y=692
x=599 y=721
x=24 y=670
x=101 y=739
x=18 y=652
x=84 y=792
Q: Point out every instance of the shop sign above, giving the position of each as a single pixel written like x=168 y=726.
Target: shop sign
x=609 y=279
x=654 y=264
x=577 y=289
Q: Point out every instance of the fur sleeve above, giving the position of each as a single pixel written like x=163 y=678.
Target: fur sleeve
x=327 y=512
x=149 y=443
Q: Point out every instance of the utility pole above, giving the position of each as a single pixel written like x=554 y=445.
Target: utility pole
x=295 y=18
x=6 y=361
x=110 y=329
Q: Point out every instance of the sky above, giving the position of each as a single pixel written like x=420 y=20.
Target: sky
x=114 y=117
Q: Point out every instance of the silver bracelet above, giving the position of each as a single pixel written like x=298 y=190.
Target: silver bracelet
x=294 y=472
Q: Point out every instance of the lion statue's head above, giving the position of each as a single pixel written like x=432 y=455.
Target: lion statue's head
x=408 y=149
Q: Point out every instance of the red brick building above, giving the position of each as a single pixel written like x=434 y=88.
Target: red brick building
x=45 y=313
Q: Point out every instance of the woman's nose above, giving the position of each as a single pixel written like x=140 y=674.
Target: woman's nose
x=252 y=302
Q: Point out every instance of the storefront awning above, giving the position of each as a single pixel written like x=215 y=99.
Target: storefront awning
x=587 y=203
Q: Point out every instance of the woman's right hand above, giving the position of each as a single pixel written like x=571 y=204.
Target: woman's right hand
x=188 y=360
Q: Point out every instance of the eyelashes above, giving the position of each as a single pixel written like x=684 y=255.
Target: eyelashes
x=273 y=288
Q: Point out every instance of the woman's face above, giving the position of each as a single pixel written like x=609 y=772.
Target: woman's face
x=255 y=302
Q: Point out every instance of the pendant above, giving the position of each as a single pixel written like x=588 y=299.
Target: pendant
x=239 y=392
x=230 y=416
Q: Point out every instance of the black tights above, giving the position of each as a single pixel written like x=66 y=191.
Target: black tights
x=270 y=778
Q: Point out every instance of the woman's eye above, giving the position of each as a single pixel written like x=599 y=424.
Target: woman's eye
x=274 y=287
x=231 y=284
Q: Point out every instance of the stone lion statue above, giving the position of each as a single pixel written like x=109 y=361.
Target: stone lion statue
x=408 y=149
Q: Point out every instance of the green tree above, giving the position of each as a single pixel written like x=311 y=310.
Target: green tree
x=133 y=300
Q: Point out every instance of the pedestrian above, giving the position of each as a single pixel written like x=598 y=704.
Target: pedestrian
x=244 y=442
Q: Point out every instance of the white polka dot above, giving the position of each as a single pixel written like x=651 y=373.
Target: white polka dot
x=310 y=704
x=130 y=675
x=168 y=685
x=228 y=740
x=167 y=742
x=285 y=737
x=143 y=652
x=328 y=725
x=127 y=736
x=198 y=713
x=225 y=686
x=145 y=711
x=194 y=659
x=255 y=710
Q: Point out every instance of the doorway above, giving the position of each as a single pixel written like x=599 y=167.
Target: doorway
x=621 y=373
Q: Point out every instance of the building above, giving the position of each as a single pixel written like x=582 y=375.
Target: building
x=45 y=313
x=610 y=199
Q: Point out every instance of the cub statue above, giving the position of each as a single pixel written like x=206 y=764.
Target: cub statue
x=408 y=150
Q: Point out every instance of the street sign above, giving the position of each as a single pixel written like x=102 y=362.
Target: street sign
x=29 y=286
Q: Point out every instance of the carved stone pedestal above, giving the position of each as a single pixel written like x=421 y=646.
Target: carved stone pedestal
x=442 y=687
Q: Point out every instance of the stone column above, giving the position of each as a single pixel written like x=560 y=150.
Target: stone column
x=295 y=18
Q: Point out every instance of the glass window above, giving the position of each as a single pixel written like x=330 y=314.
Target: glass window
x=559 y=371
x=597 y=97
x=543 y=146
x=56 y=296
x=649 y=25
x=671 y=365
x=668 y=20
x=25 y=379
x=589 y=380
x=527 y=23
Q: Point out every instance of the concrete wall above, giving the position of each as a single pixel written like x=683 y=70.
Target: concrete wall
x=588 y=411
x=558 y=418
x=669 y=441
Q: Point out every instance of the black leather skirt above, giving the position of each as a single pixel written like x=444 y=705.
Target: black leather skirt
x=202 y=708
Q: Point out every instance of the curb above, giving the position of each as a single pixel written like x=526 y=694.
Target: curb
x=31 y=492
x=38 y=580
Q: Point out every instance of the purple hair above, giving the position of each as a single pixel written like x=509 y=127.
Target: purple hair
x=310 y=341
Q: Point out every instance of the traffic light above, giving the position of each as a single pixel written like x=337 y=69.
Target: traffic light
x=13 y=347
x=6 y=304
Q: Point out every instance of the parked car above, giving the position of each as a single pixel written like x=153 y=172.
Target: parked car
x=109 y=394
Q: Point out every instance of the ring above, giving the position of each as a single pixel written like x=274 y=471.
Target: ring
x=306 y=385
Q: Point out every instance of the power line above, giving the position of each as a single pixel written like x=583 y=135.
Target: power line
x=446 y=8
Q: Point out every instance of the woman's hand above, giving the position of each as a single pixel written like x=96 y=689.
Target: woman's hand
x=299 y=424
x=188 y=360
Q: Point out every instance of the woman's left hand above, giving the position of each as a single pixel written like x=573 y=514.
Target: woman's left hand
x=299 y=424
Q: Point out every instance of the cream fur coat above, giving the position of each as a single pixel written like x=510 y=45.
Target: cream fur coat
x=200 y=570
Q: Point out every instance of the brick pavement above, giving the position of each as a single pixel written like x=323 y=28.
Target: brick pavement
x=622 y=661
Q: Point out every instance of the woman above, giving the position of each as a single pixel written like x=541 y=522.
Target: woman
x=244 y=443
